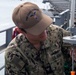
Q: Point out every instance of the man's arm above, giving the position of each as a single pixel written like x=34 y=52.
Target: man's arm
x=14 y=64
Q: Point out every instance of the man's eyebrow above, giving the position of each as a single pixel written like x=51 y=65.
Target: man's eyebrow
x=29 y=13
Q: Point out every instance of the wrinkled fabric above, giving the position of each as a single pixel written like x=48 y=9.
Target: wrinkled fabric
x=48 y=60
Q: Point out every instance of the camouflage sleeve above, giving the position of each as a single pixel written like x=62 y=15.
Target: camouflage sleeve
x=14 y=64
x=66 y=46
x=65 y=32
x=66 y=49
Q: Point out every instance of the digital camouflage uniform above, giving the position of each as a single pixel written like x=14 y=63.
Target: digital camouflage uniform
x=48 y=60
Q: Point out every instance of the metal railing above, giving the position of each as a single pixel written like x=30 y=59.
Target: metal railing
x=8 y=35
x=8 y=38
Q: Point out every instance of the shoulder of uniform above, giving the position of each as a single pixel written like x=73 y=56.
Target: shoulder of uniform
x=52 y=26
x=18 y=39
x=21 y=36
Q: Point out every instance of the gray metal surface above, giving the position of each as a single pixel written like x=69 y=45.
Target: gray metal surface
x=49 y=13
x=70 y=39
x=60 y=5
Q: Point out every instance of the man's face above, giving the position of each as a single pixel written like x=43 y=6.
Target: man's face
x=41 y=37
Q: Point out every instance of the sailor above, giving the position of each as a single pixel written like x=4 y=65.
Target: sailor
x=39 y=49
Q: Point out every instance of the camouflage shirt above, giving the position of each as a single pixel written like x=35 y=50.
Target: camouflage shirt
x=46 y=61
